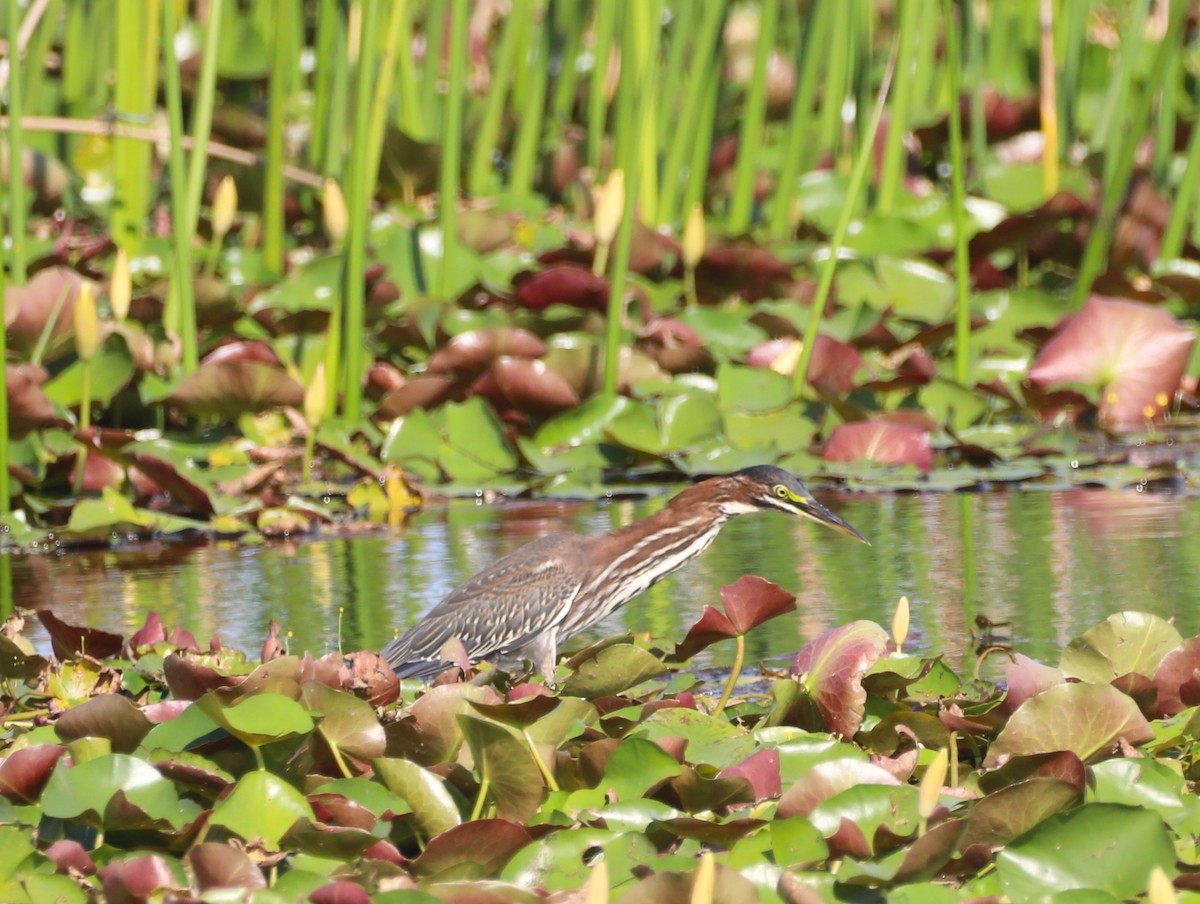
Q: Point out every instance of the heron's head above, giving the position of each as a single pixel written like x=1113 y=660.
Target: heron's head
x=771 y=488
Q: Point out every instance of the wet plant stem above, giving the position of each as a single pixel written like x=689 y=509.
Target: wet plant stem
x=484 y=786
x=85 y=420
x=739 y=658
x=541 y=764
x=340 y=760
x=258 y=757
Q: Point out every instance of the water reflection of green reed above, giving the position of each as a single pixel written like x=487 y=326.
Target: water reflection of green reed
x=1053 y=563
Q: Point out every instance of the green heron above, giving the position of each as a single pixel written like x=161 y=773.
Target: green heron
x=523 y=605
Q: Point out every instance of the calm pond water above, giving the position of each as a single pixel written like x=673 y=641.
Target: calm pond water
x=1051 y=562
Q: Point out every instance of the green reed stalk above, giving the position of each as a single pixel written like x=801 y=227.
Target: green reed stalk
x=858 y=174
x=647 y=131
x=202 y=112
x=35 y=76
x=639 y=51
x=1068 y=85
x=382 y=96
x=1186 y=197
x=273 y=200
x=5 y=495
x=975 y=64
x=452 y=120
x=1117 y=175
x=1111 y=129
x=330 y=58
x=182 y=297
x=1168 y=110
x=431 y=69
x=487 y=138
x=529 y=130
x=682 y=35
x=408 y=84
x=836 y=76
x=568 y=17
x=597 y=109
x=750 y=136
x=687 y=132
x=137 y=45
x=358 y=200
x=962 y=263
x=926 y=85
x=817 y=40
x=895 y=155
x=697 y=181
x=75 y=73
x=18 y=203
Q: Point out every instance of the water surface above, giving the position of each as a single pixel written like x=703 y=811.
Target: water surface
x=1050 y=562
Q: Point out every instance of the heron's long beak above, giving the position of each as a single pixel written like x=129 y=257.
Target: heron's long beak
x=810 y=508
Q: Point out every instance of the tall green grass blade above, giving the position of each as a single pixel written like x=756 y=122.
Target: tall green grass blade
x=431 y=70
x=529 y=130
x=639 y=49
x=487 y=138
x=382 y=97
x=837 y=73
x=895 y=155
x=279 y=79
x=691 y=130
x=697 y=182
x=683 y=22
x=1117 y=172
x=452 y=119
x=358 y=202
x=796 y=156
x=962 y=263
x=18 y=203
x=977 y=73
x=412 y=117
x=136 y=86
x=1186 y=198
x=5 y=494
x=750 y=136
x=182 y=298
x=597 y=107
x=858 y=174
x=330 y=79
x=569 y=20
x=202 y=114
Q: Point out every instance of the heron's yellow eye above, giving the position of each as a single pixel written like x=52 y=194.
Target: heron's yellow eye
x=781 y=491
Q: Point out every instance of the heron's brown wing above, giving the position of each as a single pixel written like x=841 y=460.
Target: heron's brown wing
x=502 y=608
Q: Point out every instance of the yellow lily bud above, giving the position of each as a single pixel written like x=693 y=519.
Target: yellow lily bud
x=225 y=204
x=87 y=323
x=1160 y=889
x=705 y=881
x=333 y=209
x=120 y=286
x=597 y=884
x=610 y=207
x=315 y=397
x=693 y=237
x=931 y=784
x=900 y=623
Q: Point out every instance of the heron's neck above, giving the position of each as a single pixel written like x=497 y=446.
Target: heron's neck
x=646 y=551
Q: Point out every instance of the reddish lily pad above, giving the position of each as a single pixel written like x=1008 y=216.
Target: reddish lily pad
x=748 y=603
x=1177 y=679
x=233 y=388
x=1134 y=354
x=223 y=866
x=1086 y=719
x=530 y=385
x=106 y=716
x=562 y=284
x=136 y=879
x=831 y=669
x=71 y=641
x=471 y=850
x=880 y=441
x=24 y=773
x=472 y=351
x=29 y=408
